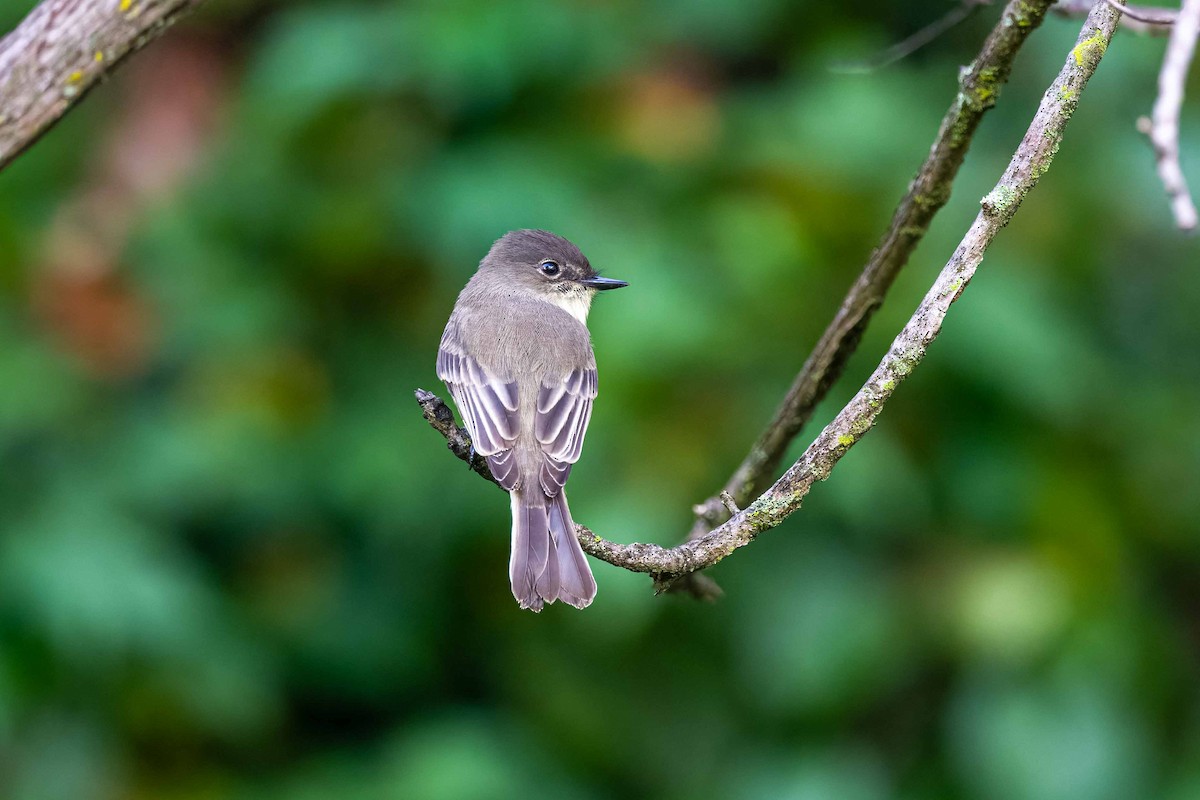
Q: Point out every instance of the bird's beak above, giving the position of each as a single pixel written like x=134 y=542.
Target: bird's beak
x=596 y=282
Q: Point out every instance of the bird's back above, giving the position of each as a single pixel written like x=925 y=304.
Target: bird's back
x=543 y=338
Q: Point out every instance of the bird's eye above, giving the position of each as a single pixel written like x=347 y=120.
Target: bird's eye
x=549 y=268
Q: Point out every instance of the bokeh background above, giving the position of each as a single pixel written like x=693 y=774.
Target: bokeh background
x=236 y=563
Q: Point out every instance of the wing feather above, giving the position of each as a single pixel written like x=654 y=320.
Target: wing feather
x=564 y=408
x=504 y=469
x=554 y=475
x=488 y=403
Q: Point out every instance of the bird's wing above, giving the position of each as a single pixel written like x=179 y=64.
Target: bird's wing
x=564 y=407
x=487 y=403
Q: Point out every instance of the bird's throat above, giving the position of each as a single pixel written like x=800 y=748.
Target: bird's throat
x=577 y=304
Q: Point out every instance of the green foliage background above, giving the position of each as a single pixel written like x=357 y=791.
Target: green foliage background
x=248 y=569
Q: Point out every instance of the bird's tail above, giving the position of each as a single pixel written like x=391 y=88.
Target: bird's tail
x=547 y=563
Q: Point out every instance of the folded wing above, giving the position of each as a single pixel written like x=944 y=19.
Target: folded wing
x=488 y=406
x=564 y=407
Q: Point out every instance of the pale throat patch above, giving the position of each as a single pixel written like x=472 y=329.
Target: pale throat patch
x=577 y=304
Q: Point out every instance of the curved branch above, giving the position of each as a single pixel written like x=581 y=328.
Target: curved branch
x=1031 y=160
x=63 y=49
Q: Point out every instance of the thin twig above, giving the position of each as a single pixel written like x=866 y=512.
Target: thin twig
x=1031 y=161
x=979 y=86
x=1132 y=19
x=1164 y=120
x=60 y=51
x=1147 y=15
x=916 y=41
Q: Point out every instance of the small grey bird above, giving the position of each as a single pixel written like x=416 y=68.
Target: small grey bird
x=517 y=358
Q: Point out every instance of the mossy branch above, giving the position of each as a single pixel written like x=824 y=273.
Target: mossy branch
x=60 y=51
x=784 y=497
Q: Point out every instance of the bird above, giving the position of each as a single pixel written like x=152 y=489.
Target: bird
x=517 y=358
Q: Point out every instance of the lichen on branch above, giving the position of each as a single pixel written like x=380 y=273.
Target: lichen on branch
x=60 y=51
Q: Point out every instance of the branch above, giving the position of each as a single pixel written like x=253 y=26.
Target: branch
x=1164 y=120
x=1031 y=160
x=63 y=49
x=458 y=441
x=979 y=85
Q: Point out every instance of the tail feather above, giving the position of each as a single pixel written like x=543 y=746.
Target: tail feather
x=530 y=551
x=576 y=586
x=547 y=563
x=547 y=585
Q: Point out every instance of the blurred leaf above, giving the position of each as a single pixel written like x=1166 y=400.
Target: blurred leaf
x=1046 y=742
